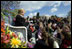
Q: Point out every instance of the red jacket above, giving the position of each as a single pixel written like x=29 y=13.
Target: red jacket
x=65 y=44
x=32 y=28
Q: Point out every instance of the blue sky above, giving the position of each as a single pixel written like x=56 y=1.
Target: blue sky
x=48 y=8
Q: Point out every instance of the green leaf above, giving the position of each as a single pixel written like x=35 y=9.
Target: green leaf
x=3 y=15
x=7 y=29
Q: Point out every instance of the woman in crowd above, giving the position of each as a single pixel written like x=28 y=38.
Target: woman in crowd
x=40 y=30
x=66 y=37
x=49 y=27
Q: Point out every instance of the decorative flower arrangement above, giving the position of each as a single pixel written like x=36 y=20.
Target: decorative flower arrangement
x=5 y=38
x=9 y=39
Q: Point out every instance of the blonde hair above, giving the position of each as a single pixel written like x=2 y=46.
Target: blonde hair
x=45 y=36
x=21 y=10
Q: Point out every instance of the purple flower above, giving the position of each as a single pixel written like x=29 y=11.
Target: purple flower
x=30 y=45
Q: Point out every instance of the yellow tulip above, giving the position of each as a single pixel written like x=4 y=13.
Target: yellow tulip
x=15 y=42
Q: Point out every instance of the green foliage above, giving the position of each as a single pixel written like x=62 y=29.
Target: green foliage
x=2 y=16
x=13 y=13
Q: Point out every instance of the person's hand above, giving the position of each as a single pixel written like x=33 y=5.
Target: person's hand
x=59 y=30
x=26 y=21
x=39 y=37
x=30 y=39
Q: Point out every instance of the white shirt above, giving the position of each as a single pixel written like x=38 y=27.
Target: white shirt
x=55 y=45
x=54 y=33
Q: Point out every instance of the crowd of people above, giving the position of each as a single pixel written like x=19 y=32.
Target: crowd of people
x=54 y=32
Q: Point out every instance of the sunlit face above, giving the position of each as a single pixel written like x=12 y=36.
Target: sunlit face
x=23 y=12
x=49 y=25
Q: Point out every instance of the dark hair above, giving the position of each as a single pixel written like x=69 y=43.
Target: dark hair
x=49 y=21
x=60 y=25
